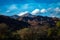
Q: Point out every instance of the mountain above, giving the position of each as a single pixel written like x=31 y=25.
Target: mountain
x=13 y=23
x=18 y=22
x=27 y=15
x=14 y=16
x=39 y=20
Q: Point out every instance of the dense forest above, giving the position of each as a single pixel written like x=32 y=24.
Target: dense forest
x=29 y=28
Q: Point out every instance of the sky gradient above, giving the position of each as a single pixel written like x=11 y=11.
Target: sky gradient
x=35 y=7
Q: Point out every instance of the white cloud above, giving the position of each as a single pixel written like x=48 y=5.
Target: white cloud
x=52 y=15
x=43 y=10
x=49 y=9
x=22 y=13
x=57 y=9
x=8 y=11
x=12 y=7
x=54 y=12
x=35 y=11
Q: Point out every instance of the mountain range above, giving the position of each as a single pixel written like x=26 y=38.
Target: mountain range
x=18 y=22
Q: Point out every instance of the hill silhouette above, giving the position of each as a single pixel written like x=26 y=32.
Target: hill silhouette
x=13 y=23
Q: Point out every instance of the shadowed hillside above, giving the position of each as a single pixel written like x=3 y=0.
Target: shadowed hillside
x=12 y=23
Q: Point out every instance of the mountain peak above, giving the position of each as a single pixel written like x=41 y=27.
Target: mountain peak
x=27 y=14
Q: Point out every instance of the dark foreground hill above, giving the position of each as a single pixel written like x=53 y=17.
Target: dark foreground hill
x=12 y=23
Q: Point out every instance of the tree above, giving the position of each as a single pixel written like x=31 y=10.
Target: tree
x=34 y=33
x=7 y=34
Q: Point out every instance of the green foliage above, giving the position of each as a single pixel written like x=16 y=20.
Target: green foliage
x=58 y=32
x=49 y=31
x=58 y=23
x=7 y=34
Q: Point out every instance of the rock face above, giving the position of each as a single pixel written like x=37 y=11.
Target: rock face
x=12 y=23
x=39 y=20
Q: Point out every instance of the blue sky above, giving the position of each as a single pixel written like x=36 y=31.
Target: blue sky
x=42 y=7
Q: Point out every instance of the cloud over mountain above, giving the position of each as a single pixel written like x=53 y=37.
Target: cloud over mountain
x=43 y=10
x=36 y=11
x=53 y=12
x=22 y=13
x=57 y=10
